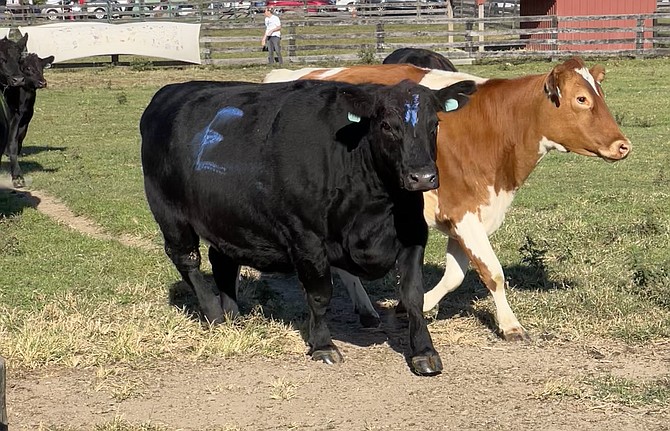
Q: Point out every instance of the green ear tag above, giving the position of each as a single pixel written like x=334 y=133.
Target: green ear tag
x=451 y=105
x=353 y=117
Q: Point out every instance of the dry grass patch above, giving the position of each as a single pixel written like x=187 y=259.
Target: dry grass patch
x=73 y=332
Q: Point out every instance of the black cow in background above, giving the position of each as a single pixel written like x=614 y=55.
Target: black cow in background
x=297 y=176
x=21 y=104
x=10 y=75
x=420 y=57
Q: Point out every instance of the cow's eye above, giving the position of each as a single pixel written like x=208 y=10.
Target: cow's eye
x=386 y=126
x=581 y=100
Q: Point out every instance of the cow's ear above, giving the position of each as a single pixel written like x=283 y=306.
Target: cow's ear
x=355 y=107
x=552 y=89
x=23 y=42
x=598 y=73
x=46 y=62
x=455 y=96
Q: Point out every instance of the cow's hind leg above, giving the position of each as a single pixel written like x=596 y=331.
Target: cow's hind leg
x=367 y=314
x=454 y=274
x=226 y=275
x=181 y=245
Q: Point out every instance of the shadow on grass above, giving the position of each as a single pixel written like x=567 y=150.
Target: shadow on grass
x=13 y=202
x=282 y=298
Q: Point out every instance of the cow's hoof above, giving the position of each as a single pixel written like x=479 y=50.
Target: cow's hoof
x=369 y=321
x=516 y=334
x=427 y=365
x=328 y=356
x=18 y=182
x=432 y=313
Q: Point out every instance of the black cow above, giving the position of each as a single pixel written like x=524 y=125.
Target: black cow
x=10 y=53
x=420 y=57
x=10 y=76
x=296 y=176
x=21 y=104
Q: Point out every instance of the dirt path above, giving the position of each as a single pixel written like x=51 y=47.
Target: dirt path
x=497 y=387
x=543 y=385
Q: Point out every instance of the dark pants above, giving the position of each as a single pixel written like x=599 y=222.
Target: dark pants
x=274 y=45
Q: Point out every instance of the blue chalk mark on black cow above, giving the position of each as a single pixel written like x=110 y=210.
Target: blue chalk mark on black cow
x=211 y=137
x=420 y=57
x=10 y=76
x=325 y=173
x=21 y=102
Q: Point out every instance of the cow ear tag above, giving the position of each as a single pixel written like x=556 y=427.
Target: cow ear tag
x=451 y=105
x=353 y=117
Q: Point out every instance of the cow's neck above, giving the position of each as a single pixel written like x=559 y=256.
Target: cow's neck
x=519 y=113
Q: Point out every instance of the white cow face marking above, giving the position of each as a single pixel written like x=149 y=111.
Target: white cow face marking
x=589 y=78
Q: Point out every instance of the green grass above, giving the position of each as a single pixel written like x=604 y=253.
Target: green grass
x=585 y=245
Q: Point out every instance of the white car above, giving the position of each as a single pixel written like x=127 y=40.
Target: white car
x=344 y=5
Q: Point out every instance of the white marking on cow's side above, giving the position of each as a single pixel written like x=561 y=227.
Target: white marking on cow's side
x=285 y=75
x=493 y=214
x=330 y=72
x=547 y=145
x=589 y=78
x=438 y=79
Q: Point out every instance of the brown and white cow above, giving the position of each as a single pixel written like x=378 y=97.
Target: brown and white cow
x=486 y=150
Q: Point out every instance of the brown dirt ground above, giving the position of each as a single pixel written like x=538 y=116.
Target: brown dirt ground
x=494 y=385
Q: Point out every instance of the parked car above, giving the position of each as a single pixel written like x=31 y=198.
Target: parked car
x=311 y=5
x=67 y=9
x=343 y=5
x=404 y=4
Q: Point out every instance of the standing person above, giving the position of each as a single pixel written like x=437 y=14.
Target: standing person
x=272 y=36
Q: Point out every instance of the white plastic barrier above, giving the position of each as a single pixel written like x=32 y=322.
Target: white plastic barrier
x=67 y=41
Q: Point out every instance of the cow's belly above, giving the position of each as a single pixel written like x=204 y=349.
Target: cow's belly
x=369 y=250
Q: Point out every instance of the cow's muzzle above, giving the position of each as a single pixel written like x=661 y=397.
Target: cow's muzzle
x=619 y=150
x=422 y=180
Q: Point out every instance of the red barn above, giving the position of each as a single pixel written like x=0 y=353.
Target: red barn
x=567 y=8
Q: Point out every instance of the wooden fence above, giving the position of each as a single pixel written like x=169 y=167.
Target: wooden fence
x=464 y=39
x=231 y=36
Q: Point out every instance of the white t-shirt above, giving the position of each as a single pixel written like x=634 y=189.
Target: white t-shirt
x=270 y=23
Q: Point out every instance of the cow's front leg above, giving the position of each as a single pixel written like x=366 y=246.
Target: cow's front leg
x=424 y=358
x=314 y=274
x=475 y=242
x=13 y=153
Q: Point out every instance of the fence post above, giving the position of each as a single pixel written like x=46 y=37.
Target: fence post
x=291 y=40
x=554 y=37
x=3 y=399
x=639 y=36
x=468 y=36
x=480 y=14
x=450 y=15
x=380 y=37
